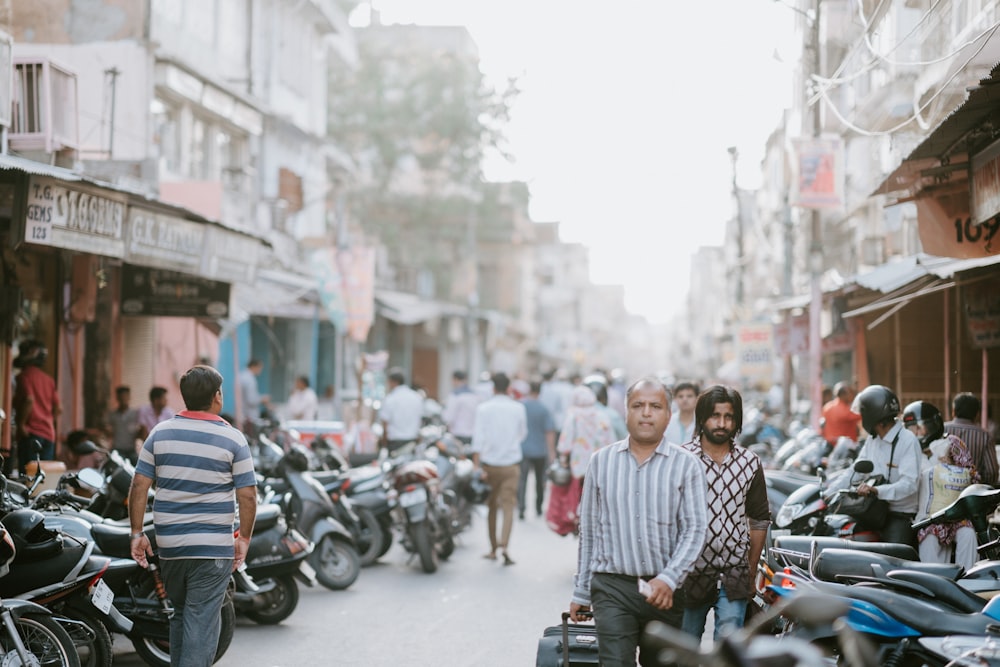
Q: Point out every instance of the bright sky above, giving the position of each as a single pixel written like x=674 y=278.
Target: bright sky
x=626 y=114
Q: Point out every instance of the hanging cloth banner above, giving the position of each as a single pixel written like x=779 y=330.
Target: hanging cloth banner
x=819 y=177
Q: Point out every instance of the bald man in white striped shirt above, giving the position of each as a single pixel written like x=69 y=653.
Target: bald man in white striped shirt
x=643 y=516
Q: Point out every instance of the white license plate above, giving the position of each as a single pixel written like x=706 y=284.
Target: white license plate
x=307 y=570
x=101 y=596
x=414 y=497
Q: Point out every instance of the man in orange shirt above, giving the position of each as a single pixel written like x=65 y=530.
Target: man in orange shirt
x=36 y=404
x=838 y=420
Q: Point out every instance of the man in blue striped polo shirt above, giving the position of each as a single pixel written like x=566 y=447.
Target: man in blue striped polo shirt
x=199 y=464
x=643 y=521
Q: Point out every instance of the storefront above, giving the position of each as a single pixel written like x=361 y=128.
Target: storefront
x=120 y=288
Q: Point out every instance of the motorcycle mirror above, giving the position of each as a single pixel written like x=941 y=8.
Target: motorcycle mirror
x=864 y=466
x=91 y=478
x=821 y=474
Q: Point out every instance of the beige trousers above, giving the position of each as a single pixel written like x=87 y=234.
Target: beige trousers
x=503 y=481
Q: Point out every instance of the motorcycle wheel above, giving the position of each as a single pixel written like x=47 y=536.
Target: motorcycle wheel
x=156 y=652
x=336 y=562
x=385 y=525
x=444 y=539
x=421 y=535
x=94 y=645
x=370 y=542
x=279 y=603
x=46 y=641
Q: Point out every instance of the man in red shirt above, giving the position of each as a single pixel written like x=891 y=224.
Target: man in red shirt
x=838 y=420
x=36 y=404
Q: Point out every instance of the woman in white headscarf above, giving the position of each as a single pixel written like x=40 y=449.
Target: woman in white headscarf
x=587 y=428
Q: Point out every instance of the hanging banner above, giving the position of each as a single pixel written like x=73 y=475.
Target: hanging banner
x=819 y=178
x=323 y=263
x=947 y=229
x=792 y=339
x=357 y=270
x=982 y=314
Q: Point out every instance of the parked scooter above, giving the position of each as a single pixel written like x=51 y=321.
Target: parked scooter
x=276 y=558
x=309 y=508
x=806 y=511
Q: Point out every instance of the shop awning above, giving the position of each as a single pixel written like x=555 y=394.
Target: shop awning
x=910 y=278
x=404 y=308
x=974 y=124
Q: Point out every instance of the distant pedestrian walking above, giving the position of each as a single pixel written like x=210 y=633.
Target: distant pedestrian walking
x=538 y=448
x=501 y=425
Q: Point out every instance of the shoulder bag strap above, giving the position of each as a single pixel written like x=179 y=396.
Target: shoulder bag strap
x=892 y=454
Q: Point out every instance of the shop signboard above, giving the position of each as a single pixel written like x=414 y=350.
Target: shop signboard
x=159 y=292
x=229 y=256
x=756 y=351
x=75 y=216
x=164 y=241
x=982 y=314
x=792 y=339
x=984 y=184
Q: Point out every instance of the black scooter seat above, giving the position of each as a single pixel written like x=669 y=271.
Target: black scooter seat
x=115 y=540
x=832 y=563
x=803 y=544
x=943 y=589
x=927 y=618
x=267 y=517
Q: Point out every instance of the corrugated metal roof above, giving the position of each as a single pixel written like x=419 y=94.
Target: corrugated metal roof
x=897 y=274
x=981 y=110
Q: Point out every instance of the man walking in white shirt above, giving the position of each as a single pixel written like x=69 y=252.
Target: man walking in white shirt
x=501 y=425
x=460 y=408
x=401 y=413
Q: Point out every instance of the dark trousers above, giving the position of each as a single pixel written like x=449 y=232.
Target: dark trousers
x=536 y=465
x=898 y=528
x=620 y=614
x=26 y=453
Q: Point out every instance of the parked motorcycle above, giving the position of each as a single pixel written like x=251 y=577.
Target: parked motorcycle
x=29 y=633
x=63 y=575
x=420 y=515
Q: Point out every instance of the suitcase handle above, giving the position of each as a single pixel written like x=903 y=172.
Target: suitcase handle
x=565 y=632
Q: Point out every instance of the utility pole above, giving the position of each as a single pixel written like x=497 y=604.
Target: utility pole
x=815 y=257
x=788 y=375
x=734 y=155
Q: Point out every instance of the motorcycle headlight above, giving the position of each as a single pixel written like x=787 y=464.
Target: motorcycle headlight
x=787 y=514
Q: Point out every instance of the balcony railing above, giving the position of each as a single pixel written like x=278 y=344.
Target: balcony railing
x=44 y=107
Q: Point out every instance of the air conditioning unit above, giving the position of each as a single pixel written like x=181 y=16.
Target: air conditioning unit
x=43 y=107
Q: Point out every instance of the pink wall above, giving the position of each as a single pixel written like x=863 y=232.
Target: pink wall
x=180 y=343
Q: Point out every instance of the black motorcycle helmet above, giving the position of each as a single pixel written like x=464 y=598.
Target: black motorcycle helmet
x=297 y=458
x=922 y=412
x=7 y=551
x=32 y=540
x=875 y=404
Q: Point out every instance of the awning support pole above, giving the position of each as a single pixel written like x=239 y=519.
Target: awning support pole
x=946 y=320
x=984 y=413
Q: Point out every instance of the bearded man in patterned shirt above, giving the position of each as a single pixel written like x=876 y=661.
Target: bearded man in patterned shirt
x=723 y=576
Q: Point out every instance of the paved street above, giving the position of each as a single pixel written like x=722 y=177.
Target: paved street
x=472 y=612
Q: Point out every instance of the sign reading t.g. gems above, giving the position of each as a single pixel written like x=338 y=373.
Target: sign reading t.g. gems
x=78 y=218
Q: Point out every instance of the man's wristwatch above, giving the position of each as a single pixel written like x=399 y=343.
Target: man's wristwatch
x=136 y=536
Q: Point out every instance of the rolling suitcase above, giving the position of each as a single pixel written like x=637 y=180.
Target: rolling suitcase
x=568 y=645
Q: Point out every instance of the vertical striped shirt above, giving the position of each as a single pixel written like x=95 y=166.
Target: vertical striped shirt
x=980 y=444
x=197 y=461
x=641 y=520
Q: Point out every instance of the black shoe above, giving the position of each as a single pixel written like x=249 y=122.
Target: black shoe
x=507 y=560
x=520 y=515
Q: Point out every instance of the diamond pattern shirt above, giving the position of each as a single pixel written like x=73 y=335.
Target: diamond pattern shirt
x=737 y=504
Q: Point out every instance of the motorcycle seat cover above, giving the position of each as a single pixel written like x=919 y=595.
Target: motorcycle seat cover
x=945 y=590
x=803 y=544
x=116 y=540
x=833 y=562
x=267 y=516
x=927 y=618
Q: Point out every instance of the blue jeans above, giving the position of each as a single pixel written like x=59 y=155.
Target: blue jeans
x=729 y=615
x=197 y=589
